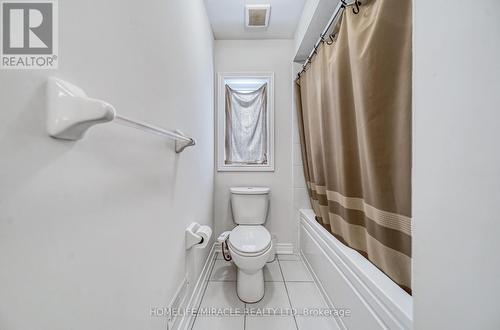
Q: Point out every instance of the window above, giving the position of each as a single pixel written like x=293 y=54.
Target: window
x=245 y=131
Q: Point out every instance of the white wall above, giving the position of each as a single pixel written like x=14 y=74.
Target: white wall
x=91 y=232
x=315 y=16
x=300 y=195
x=456 y=166
x=304 y=22
x=263 y=56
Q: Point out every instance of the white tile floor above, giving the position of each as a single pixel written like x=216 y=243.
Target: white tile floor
x=288 y=285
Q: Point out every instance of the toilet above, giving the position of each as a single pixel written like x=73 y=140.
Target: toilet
x=250 y=243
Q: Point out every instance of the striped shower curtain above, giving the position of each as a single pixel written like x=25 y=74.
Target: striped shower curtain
x=354 y=114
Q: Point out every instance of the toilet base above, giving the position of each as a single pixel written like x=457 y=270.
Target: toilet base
x=250 y=287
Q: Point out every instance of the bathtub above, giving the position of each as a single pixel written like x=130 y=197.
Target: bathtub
x=349 y=281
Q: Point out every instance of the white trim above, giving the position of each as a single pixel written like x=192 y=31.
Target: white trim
x=177 y=301
x=351 y=281
x=220 y=122
x=284 y=248
x=324 y=293
x=186 y=321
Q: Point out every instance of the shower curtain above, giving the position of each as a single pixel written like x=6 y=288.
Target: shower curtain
x=354 y=115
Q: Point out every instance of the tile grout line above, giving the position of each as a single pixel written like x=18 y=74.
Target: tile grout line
x=287 y=294
x=233 y=281
x=245 y=304
x=244 y=316
x=308 y=273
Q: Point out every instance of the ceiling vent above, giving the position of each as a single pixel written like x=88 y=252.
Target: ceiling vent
x=257 y=15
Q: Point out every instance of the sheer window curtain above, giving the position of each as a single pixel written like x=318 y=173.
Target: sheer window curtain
x=246 y=126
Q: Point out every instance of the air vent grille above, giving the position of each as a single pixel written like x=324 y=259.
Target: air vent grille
x=257 y=15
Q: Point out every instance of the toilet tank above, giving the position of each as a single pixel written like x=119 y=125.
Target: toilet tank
x=250 y=205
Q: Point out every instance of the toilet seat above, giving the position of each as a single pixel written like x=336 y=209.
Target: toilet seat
x=247 y=240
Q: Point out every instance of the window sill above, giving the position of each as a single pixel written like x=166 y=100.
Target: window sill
x=247 y=168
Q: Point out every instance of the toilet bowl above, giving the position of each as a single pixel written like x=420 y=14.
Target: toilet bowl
x=250 y=243
x=250 y=248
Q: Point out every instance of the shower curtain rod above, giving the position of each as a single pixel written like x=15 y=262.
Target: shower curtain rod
x=331 y=23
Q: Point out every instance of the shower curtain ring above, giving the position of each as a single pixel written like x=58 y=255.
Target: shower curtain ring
x=356 y=10
x=331 y=37
x=344 y=4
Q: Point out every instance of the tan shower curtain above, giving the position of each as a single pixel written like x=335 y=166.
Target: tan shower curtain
x=354 y=111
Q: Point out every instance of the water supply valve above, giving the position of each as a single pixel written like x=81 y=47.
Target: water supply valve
x=222 y=239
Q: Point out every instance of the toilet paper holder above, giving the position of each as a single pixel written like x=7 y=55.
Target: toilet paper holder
x=197 y=235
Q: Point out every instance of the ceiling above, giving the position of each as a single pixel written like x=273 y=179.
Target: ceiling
x=227 y=18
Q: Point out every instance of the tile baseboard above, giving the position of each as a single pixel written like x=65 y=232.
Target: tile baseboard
x=284 y=248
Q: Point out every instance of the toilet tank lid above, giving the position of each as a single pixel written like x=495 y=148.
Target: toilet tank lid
x=250 y=190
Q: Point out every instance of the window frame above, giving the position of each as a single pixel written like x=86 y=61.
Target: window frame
x=220 y=122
